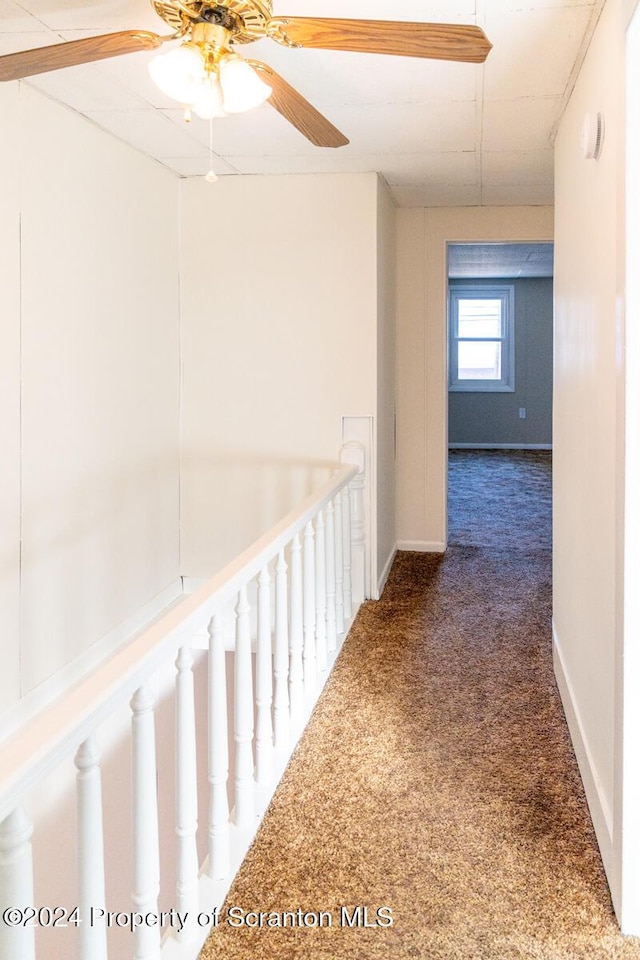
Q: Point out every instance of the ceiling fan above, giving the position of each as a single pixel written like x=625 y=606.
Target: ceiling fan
x=207 y=75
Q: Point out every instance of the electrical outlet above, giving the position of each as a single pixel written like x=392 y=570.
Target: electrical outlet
x=522 y=413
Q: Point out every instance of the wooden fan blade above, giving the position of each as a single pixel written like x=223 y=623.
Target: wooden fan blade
x=438 y=41
x=298 y=111
x=28 y=63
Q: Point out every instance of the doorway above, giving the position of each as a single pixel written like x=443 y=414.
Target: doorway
x=500 y=390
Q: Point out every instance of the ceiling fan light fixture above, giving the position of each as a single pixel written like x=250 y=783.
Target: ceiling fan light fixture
x=179 y=73
x=242 y=88
x=209 y=30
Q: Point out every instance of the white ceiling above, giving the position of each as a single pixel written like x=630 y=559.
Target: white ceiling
x=440 y=133
x=500 y=260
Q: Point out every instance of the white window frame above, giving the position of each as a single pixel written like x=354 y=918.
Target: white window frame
x=468 y=291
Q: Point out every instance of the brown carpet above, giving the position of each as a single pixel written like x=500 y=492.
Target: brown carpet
x=436 y=776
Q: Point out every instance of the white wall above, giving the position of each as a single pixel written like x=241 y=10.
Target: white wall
x=89 y=420
x=93 y=343
x=627 y=803
x=589 y=451
x=9 y=399
x=386 y=383
x=279 y=306
x=421 y=264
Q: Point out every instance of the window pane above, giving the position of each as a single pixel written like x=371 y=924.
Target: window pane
x=480 y=318
x=479 y=361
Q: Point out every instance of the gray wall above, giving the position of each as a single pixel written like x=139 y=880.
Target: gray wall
x=492 y=418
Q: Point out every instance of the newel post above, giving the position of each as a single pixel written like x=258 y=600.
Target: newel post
x=353 y=453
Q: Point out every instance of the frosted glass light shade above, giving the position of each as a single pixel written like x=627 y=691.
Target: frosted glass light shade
x=179 y=73
x=184 y=75
x=242 y=88
x=207 y=102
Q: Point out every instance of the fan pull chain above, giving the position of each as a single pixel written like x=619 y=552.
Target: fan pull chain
x=211 y=177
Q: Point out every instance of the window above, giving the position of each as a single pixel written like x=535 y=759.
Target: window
x=481 y=341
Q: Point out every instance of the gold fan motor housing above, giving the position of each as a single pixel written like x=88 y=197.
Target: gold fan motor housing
x=247 y=19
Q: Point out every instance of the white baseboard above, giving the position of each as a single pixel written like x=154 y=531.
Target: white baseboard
x=599 y=806
x=500 y=446
x=47 y=691
x=422 y=546
x=385 y=572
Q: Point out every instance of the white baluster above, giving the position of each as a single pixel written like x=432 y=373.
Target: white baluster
x=218 y=864
x=309 y=613
x=264 y=690
x=321 y=594
x=92 y=931
x=16 y=884
x=331 y=579
x=346 y=553
x=358 y=539
x=243 y=716
x=146 y=859
x=187 y=893
x=281 y=659
x=337 y=526
x=296 y=672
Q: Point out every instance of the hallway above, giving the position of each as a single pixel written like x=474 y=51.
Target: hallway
x=436 y=777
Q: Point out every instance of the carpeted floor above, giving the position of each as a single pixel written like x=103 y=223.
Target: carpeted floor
x=436 y=777
x=500 y=499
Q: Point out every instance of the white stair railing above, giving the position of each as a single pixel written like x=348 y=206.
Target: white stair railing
x=281 y=704
x=264 y=692
x=309 y=611
x=321 y=595
x=307 y=558
x=296 y=641
x=244 y=809
x=187 y=893
x=340 y=585
x=146 y=855
x=330 y=566
x=218 y=754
